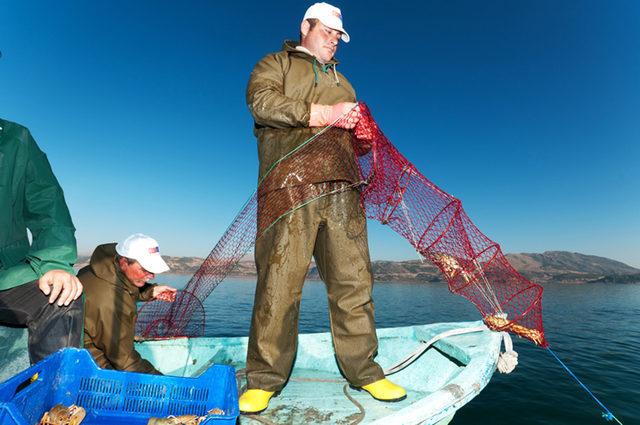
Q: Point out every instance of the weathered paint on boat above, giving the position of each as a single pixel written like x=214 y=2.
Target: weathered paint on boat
x=443 y=379
x=13 y=352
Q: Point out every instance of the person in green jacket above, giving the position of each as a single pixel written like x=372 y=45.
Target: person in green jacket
x=115 y=279
x=292 y=95
x=38 y=286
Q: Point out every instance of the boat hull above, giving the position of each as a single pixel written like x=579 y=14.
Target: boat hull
x=447 y=376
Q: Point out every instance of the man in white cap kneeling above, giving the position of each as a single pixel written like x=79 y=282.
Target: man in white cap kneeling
x=115 y=279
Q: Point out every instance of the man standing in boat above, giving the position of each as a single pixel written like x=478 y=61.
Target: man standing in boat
x=115 y=279
x=38 y=287
x=292 y=94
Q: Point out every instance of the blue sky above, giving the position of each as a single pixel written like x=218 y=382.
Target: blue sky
x=525 y=110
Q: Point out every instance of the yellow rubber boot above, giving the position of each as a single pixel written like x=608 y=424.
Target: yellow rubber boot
x=385 y=390
x=254 y=401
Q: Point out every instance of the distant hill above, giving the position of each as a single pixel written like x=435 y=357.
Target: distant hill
x=572 y=267
x=550 y=266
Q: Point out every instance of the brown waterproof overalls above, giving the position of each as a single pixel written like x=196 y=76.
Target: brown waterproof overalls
x=332 y=228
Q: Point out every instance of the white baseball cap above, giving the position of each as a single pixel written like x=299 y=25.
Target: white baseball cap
x=144 y=250
x=329 y=16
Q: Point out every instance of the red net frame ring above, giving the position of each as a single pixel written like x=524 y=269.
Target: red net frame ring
x=501 y=323
x=395 y=198
x=184 y=317
x=448 y=214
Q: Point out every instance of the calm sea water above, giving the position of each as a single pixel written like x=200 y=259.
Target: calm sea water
x=593 y=328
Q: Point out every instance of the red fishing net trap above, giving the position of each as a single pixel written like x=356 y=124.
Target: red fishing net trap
x=393 y=192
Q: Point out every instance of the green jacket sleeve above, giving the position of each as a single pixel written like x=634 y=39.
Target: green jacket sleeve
x=266 y=100
x=47 y=217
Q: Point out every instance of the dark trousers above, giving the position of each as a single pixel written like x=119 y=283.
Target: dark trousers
x=332 y=229
x=50 y=327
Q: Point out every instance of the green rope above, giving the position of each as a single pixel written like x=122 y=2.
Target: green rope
x=303 y=144
x=297 y=207
x=315 y=71
x=296 y=149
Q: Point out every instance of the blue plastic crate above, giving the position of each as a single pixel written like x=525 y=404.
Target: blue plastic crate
x=112 y=397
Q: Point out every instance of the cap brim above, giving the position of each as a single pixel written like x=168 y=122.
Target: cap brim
x=335 y=24
x=154 y=264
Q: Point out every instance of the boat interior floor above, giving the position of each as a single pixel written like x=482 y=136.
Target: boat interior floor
x=319 y=397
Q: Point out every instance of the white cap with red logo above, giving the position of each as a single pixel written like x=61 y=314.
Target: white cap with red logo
x=329 y=16
x=144 y=250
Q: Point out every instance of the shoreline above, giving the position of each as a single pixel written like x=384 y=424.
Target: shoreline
x=550 y=267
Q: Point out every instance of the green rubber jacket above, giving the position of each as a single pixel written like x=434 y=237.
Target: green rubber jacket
x=30 y=198
x=280 y=92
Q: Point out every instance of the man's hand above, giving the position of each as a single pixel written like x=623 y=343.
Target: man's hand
x=323 y=115
x=60 y=285
x=164 y=293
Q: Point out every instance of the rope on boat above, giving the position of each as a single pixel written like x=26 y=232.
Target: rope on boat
x=358 y=417
x=507 y=360
x=424 y=346
x=607 y=413
x=361 y=415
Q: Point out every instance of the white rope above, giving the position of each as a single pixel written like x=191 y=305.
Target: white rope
x=397 y=367
x=507 y=360
x=486 y=292
x=494 y=299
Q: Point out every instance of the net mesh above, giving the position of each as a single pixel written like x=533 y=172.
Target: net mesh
x=393 y=192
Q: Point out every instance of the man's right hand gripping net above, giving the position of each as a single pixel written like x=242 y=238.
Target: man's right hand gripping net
x=392 y=191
